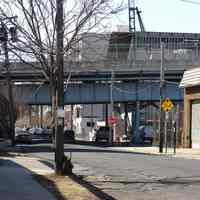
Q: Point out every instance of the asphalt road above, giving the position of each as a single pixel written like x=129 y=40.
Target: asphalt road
x=129 y=176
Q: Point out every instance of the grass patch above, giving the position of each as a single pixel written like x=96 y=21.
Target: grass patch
x=64 y=188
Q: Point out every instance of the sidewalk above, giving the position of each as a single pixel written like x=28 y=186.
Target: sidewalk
x=30 y=178
x=16 y=174
x=180 y=152
x=17 y=182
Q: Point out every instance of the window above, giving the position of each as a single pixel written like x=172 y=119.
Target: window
x=90 y=124
x=78 y=112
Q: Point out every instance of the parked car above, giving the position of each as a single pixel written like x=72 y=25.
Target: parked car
x=22 y=136
x=35 y=131
x=69 y=135
x=40 y=134
x=147 y=134
x=102 y=134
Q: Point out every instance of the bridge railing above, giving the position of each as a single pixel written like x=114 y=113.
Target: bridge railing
x=122 y=53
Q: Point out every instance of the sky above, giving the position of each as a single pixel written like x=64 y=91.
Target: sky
x=166 y=15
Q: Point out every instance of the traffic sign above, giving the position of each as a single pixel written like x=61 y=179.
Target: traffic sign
x=167 y=105
x=112 y=120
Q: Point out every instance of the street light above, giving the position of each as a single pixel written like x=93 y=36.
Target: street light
x=11 y=31
x=112 y=110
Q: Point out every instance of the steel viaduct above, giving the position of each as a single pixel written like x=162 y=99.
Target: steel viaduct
x=137 y=81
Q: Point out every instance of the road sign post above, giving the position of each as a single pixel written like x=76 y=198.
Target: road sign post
x=112 y=122
x=166 y=124
x=167 y=106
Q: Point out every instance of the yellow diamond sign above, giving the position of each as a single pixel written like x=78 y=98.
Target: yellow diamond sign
x=167 y=105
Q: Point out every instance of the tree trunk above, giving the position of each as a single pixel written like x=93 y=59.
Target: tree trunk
x=59 y=150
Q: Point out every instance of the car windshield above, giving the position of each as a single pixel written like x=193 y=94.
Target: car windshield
x=104 y=128
x=69 y=131
x=22 y=132
x=36 y=130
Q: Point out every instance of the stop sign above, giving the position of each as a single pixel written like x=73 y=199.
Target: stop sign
x=112 y=120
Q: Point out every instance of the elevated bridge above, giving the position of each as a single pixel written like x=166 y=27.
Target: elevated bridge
x=100 y=54
x=136 y=66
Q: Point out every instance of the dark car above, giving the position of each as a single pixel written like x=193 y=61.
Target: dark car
x=69 y=135
x=103 y=134
x=22 y=136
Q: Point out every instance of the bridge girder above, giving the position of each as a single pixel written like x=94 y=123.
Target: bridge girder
x=91 y=92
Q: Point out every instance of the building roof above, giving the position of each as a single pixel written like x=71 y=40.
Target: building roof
x=190 y=78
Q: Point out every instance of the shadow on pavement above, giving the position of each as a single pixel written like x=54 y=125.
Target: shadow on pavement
x=105 y=144
x=48 y=163
x=50 y=186
x=83 y=150
x=96 y=191
x=17 y=182
x=34 y=149
x=99 y=149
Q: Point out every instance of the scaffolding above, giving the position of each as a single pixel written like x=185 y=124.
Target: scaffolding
x=181 y=51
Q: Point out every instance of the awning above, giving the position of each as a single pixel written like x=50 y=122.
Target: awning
x=190 y=78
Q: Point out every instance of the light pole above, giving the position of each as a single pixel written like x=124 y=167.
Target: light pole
x=161 y=96
x=112 y=108
x=59 y=143
x=4 y=40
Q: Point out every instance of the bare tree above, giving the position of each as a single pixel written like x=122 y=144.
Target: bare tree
x=37 y=31
x=36 y=23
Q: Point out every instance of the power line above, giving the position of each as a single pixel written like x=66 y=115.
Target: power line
x=192 y=2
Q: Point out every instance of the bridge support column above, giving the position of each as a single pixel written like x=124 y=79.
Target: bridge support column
x=106 y=114
x=72 y=118
x=41 y=116
x=137 y=138
x=30 y=115
x=126 y=119
x=133 y=125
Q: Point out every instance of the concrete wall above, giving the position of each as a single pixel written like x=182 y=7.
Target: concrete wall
x=93 y=47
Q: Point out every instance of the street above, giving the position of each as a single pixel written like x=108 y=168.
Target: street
x=126 y=176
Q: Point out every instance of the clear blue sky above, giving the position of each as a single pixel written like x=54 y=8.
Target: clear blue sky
x=167 y=15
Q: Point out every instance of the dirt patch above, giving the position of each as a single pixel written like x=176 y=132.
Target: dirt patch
x=64 y=188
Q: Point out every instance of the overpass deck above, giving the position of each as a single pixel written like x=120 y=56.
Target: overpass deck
x=96 y=75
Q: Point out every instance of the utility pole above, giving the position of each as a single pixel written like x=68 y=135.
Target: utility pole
x=10 y=95
x=59 y=144
x=161 y=96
